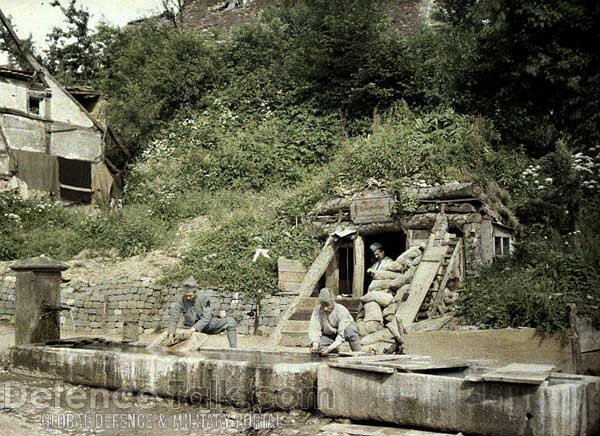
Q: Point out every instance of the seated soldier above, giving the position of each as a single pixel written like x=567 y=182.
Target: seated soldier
x=197 y=315
x=330 y=325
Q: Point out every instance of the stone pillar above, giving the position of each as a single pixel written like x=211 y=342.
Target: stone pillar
x=37 y=300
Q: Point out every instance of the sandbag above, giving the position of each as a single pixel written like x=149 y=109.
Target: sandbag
x=362 y=330
x=372 y=326
x=386 y=275
x=379 y=285
x=383 y=335
x=402 y=294
x=380 y=297
x=398 y=266
x=410 y=254
x=390 y=310
x=373 y=312
x=405 y=279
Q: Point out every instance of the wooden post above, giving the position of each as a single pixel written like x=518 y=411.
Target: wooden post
x=574 y=337
x=311 y=280
x=332 y=276
x=358 y=280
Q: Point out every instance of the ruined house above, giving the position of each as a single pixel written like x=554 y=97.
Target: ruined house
x=49 y=137
x=458 y=225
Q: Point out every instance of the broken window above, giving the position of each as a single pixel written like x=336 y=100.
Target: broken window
x=35 y=104
x=75 y=180
x=501 y=246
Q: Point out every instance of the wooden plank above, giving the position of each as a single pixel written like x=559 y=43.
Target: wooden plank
x=371 y=430
x=332 y=276
x=372 y=207
x=362 y=367
x=311 y=280
x=426 y=366
x=424 y=276
x=308 y=303
x=373 y=358
x=358 y=279
x=291 y=265
x=519 y=373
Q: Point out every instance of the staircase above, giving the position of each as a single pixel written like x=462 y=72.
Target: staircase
x=295 y=329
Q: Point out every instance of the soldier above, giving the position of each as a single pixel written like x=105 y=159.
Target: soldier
x=197 y=315
x=330 y=325
x=381 y=260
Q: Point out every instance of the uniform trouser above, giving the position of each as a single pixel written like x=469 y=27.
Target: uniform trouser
x=219 y=325
x=350 y=336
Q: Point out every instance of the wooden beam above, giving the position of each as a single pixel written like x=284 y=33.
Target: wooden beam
x=358 y=280
x=574 y=338
x=363 y=367
x=332 y=276
x=311 y=280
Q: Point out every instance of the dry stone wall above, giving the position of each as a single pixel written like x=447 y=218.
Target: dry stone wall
x=102 y=306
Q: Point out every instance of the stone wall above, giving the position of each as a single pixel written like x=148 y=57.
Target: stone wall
x=103 y=307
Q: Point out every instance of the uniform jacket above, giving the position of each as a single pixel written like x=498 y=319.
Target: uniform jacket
x=329 y=324
x=195 y=314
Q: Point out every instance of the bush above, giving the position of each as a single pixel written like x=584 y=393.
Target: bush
x=535 y=287
x=412 y=147
x=219 y=150
x=154 y=72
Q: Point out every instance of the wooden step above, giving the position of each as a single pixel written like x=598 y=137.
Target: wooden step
x=308 y=303
x=291 y=326
x=301 y=315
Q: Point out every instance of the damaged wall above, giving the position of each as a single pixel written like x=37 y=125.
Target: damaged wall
x=13 y=94
x=24 y=133
x=76 y=143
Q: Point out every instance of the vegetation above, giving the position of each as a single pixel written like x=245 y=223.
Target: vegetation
x=249 y=128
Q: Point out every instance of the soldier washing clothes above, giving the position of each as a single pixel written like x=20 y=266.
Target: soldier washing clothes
x=331 y=325
x=196 y=309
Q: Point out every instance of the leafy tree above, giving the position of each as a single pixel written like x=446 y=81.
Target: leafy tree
x=152 y=73
x=7 y=45
x=76 y=53
x=537 y=70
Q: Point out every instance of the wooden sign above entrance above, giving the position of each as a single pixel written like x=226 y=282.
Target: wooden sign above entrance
x=372 y=207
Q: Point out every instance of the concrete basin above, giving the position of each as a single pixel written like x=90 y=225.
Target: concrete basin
x=261 y=380
x=563 y=405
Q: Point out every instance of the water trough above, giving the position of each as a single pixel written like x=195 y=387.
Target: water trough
x=457 y=400
x=244 y=378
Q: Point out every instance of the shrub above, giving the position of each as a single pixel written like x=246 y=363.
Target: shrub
x=535 y=287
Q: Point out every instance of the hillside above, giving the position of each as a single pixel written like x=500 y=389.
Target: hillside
x=211 y=15
x=246 y=131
